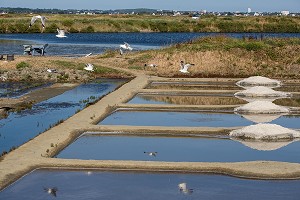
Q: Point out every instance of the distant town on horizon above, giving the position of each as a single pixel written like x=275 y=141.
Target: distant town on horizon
x=137 y=11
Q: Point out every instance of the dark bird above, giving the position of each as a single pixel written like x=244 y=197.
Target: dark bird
x=51 y=191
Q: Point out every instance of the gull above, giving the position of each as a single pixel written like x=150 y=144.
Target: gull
x=150 y=65
x=126 y=46
x=152 y=154
x=61 y=33
x=89 y=67
x=51 y=70
x=87 y=55
x=34 y=18
x=183 y=188
x=51 y=191
x=184 y=67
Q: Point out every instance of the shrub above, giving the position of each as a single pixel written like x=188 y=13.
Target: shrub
x=22 y=65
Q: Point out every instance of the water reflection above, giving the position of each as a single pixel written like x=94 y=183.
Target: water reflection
x=193 y=86
x=185 y=99
x=262 y=145
x=187 y=119
x=261 y=118
x=20 y=127
x=17 y=89
x=76 y=185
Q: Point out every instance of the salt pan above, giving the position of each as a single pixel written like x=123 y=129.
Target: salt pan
x=261 y=107
x=258 y=81
x=265 y=132
x=262 y=91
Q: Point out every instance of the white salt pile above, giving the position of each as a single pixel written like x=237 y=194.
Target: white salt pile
x=258 y=81
x=264 y=145
x=262 y=91
x=261 y=107
x=261 y=118
x=265 y=132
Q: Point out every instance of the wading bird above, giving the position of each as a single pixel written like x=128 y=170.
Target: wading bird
x=184 y=67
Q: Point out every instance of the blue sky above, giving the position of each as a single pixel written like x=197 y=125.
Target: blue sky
x=209 y=5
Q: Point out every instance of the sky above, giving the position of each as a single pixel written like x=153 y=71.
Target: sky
x=191 y=5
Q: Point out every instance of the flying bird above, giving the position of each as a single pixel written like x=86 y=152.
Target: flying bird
x=152 y=154
x=89 y=67
x=126 y=46
x=87 y=55
x=184 y=67
x=34 y=18
x=184 y=189
x=51 y=191
x=61 y=33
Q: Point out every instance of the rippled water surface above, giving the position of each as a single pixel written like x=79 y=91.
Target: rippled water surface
x=84 y=43
x=20 y=127
x=135 y=186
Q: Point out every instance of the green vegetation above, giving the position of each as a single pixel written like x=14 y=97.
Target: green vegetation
x=22 y=65
x=14 y=23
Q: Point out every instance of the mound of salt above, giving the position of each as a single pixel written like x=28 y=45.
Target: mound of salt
x=264 y=145
x=265 y=132
x=261 y=107
x=258 y=81
x=262 y=91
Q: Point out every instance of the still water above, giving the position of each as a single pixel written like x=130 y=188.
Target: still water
x=22 y=126
x=94 y=185
x=179 y=149
x=189 y=119
x=17 y=89
x=84 y=43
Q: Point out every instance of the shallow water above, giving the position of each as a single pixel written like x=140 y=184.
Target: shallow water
x=84 y=43
x=195 y=85
x=188 y=119
x=136 y=185
x=187 y=99
x=178 y=149
x=20 y=127
x=17 y=89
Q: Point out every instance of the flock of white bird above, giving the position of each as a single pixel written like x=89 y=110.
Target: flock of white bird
x=122 y=48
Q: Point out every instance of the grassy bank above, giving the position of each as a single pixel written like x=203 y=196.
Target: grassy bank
x=13 y=23
x=223 y=57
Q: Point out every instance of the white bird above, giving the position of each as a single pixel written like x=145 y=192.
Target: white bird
x=61 y=33
x=183 y=188
x=125 y=46
x=89 y=67
x=34 y=18
x=51 y=70
x=51 y=191
x=184 y=67
x=152 y=154
x=150 y=65
x=87 y=55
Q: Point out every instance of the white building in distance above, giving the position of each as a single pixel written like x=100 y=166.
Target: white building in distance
x=285 y=12
x=249 y=10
